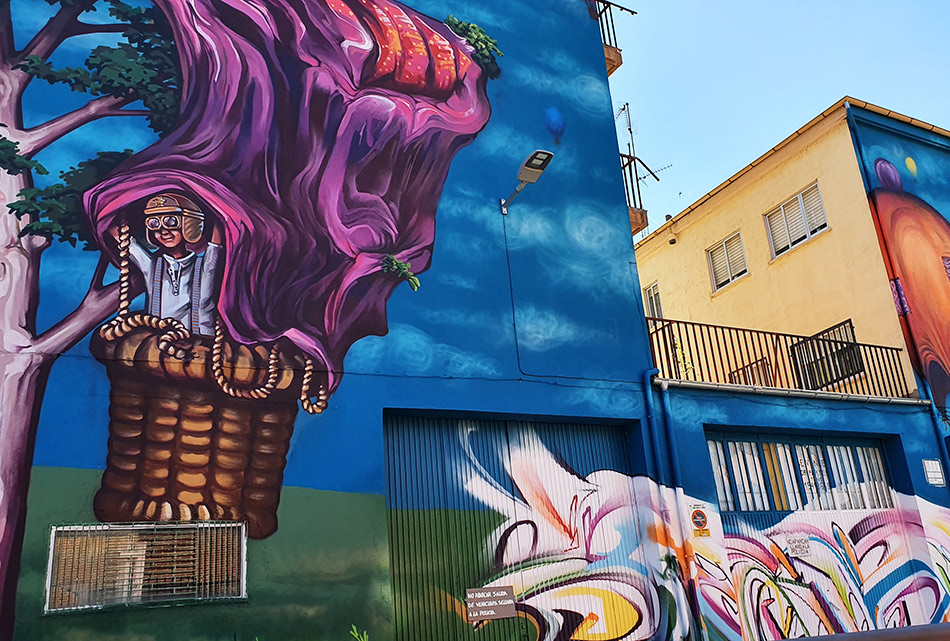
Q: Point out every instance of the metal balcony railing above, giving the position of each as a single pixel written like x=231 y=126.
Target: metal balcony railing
x=605 y=15
x=631 y=182
x=830 y=361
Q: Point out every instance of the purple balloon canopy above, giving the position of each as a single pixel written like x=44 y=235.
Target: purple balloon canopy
x=319 y=133
x=888 y=175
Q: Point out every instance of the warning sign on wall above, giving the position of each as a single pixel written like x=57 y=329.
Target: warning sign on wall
x=485 y=604
x=700 y=522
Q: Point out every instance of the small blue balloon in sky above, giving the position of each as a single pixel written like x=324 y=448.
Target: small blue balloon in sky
x=554 y=121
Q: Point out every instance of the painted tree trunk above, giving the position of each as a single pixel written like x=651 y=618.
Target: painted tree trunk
x=22 y=380
x=22 y=377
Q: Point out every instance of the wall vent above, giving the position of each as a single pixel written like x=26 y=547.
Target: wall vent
x=96 y=566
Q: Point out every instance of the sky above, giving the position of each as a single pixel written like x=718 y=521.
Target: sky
x=712 y=86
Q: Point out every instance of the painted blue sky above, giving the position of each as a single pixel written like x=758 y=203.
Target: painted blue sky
x=713 y=86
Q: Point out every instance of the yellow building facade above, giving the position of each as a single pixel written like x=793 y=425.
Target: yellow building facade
x=835 y=273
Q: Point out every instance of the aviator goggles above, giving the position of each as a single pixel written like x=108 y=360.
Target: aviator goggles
x=154 y=223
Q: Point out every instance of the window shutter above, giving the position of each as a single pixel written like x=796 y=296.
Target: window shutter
x=720 y=266
x=814 y=210
x=777 y=231
x=721 y=475
x=839 y=477
x=735 y=256
x=795 y=220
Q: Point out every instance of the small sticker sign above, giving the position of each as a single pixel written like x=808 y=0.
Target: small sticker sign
x=486 y=604
x=799 y=545
x=700 y=521
x=934 y=471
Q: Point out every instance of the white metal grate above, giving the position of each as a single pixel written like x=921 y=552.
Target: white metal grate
x=759 y=475
x=94 y=566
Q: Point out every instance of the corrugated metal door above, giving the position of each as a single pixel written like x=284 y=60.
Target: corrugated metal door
x=545 y=508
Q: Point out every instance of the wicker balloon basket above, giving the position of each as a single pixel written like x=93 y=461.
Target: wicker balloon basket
x=180 y=447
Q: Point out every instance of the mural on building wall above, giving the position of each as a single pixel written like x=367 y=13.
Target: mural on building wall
x=905 y=170
x=917 y=239
x=301 y=154
x=364 y=106
x=603 y=556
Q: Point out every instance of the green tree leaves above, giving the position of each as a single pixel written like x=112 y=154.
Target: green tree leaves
x=56 y=211
x=147 y=66
x=13 y=163
x=486 y=48
x=144 y=67
x=392 y=265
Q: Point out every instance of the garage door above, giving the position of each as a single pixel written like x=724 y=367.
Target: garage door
x=544 y=512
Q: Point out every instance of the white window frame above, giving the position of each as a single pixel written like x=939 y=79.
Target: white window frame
x=809 y=233
x=732 y=277
x=651 y=293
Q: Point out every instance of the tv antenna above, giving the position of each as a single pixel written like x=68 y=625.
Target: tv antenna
x=629 y=162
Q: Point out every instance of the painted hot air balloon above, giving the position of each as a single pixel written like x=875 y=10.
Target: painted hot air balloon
x=888 y=175
x=554 y=121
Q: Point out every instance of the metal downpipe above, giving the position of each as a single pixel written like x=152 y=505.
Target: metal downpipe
x=673 y=453
x=651 y=426
x=938 y=432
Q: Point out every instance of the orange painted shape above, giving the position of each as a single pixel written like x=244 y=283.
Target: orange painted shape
x=387 y=39
x=443 y=56
x=918 y=240
x=412 y=66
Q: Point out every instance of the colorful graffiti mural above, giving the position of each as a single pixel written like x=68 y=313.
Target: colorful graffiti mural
x=603 y=556
x=917 y=240
x=580 y=550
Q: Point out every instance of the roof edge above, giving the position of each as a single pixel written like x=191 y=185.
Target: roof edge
x=846 y=100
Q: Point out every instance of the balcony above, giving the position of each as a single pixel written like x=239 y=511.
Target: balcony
x=604 y=11
x=830 y=362
x=631 y=184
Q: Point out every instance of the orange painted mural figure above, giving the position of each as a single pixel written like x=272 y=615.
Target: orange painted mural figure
x=917 y=240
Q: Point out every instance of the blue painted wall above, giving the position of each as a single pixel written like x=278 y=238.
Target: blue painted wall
x=543 y=318
x=579 y=318
x=907 y=432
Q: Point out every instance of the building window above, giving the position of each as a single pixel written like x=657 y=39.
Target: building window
x=726 y=261
x=651 y=299
x=796 y=220
x=755 y=474
x=96 y=566
x=828 y=357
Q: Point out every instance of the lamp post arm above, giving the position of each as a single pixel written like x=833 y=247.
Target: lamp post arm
x=507 y=201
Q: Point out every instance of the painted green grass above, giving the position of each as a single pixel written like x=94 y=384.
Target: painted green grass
x=439 y=554
x=326 y=569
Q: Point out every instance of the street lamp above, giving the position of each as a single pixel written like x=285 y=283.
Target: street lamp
x=529 y=172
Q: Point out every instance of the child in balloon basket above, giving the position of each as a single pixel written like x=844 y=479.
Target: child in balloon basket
x=180 y=283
